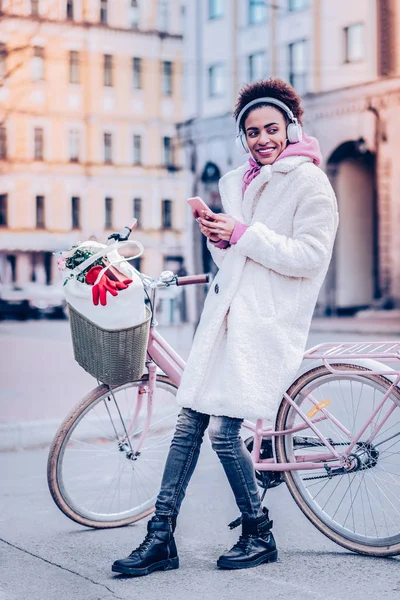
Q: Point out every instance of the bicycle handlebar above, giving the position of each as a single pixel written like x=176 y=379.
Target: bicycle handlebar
x=189 y=279
x=123 y=236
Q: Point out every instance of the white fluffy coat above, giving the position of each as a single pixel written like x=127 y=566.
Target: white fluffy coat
x=251 y=337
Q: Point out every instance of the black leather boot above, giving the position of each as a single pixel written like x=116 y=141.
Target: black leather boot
x=157 y=552
x=256 y=545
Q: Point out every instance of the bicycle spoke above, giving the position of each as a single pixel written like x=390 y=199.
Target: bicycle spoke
x=92 y=447
x=372 y=514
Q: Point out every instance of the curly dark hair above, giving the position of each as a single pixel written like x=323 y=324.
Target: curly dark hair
x=273 y=88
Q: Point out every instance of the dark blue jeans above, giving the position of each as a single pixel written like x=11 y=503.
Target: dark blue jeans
x=184 y=453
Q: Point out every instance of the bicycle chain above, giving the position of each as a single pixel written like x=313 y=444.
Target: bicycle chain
x=323 y=476
x=305 y=445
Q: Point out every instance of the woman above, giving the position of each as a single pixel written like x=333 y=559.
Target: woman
x=273 y=246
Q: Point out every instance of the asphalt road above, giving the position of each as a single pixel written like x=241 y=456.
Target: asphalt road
x=44 y=556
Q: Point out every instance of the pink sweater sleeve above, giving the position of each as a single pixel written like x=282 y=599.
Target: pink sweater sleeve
x=221 y=244
x=237 y=232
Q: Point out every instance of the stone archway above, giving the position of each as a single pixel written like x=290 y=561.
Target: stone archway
x=352 y=279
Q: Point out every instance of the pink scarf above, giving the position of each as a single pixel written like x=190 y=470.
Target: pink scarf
x=309 y=146
x=251 y=173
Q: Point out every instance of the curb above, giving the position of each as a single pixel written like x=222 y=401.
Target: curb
x=359 y=330
x=359 y=325
x=27 y=434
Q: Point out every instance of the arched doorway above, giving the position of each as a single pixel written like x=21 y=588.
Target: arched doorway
x=353 y=273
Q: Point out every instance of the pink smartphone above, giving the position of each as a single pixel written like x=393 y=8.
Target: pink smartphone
x=198 y=205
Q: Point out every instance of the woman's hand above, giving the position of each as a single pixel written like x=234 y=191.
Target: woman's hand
x=208 y=216
x=220 y=228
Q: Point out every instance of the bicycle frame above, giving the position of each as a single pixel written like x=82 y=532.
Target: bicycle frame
x=161 y=354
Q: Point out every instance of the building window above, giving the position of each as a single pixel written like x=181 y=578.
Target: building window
x=70 y=9
x=257 y=66
x=216 y=83
x=12 y=261
x=257 y=11
x=137 y=210
x=76 y=212
x=137 y=73
x=183 y=19
x=108 y=70
x=215 y=9
x=38 y=143
x=137 y=149
x=103 y=12
x=166 y=214
x=3 y=210
x=295 y=5
x=74 y=67
x=134 y=13
x=163 y=16
x=3 y=143
x=298 y=66
x=167 y=152
x=167 y=78
x=73 y=145
x=108 y=148
x=35 y=8
x=40 y=212
x=3 y=61
x=38 y=63
x=108 y=213
x=354 y=43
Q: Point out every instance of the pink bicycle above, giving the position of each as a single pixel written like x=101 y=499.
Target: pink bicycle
x=336 y=441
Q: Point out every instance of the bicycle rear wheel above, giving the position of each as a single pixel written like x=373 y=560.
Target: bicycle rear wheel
x=93 y=475
x=358 y=506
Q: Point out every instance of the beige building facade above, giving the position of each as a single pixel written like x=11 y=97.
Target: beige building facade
x=90 y=93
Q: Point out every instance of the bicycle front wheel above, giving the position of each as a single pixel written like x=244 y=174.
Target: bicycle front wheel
x=358 y=505
x=94 y=474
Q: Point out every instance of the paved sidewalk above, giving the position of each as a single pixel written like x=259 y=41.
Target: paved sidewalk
x=366 y=323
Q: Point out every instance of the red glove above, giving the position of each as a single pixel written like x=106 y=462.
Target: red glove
x=106 y=284
x=92 y=274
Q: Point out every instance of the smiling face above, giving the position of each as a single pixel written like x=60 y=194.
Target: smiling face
x=265 y=129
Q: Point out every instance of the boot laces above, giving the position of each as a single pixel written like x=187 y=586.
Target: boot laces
x=145 y=545
x=244 y=542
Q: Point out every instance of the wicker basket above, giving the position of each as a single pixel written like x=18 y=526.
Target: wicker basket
x=113 y=357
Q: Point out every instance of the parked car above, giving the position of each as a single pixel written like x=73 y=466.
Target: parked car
x=33 y=300
x=13 y=303
x=46 y=300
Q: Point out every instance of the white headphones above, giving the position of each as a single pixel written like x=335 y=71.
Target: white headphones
x=294 y=131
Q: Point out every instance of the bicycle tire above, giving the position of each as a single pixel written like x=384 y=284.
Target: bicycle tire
x=284 y=446
x=56 y=459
